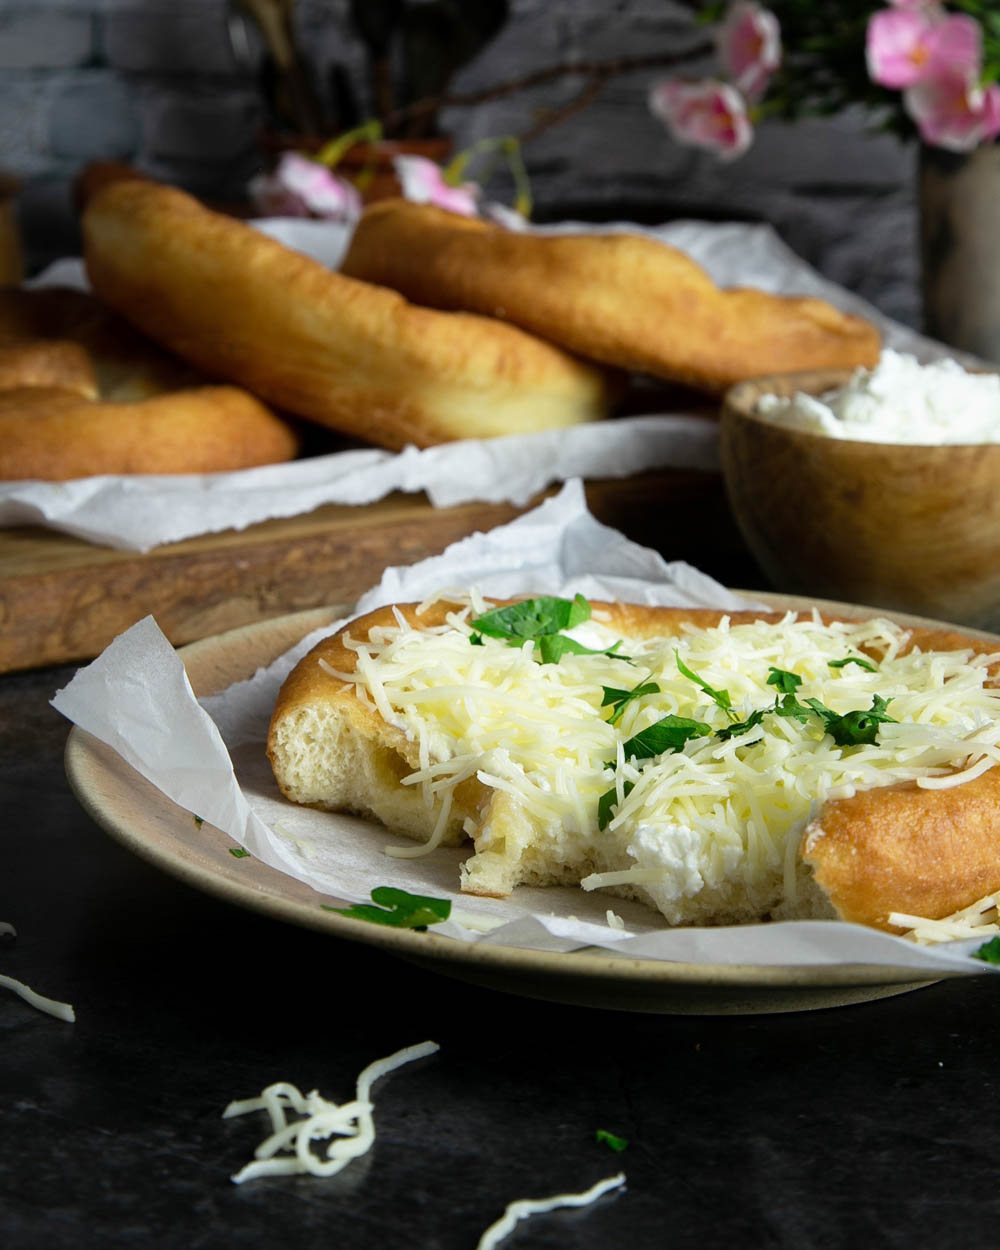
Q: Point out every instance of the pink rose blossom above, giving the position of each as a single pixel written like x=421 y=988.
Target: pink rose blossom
x=954 y=112
x=909 y=45
x=708 y=114
x=749 y=43
x=300 y=187
x=423 y=182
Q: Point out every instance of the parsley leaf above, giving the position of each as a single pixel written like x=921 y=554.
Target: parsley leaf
x=721 y=697
x=608 y=801
x=989 y=952
x=742 y=726
x=786 y=682
x=552 y=647
x=854 y=728
x=533 y=618
x=669 y=733
x=618 y=700
x=612 y=1140
x=853 y=659
x=397 y=908
x=239 y=852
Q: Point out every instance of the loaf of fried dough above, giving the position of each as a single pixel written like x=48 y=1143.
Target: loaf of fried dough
x=346 y=354
x=83 y=393
x=890 y=848
x=625 y=299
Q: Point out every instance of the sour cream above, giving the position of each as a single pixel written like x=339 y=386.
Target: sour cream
x=899 y=401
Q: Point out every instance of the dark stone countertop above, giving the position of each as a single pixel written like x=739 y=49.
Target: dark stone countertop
x=863 y=1126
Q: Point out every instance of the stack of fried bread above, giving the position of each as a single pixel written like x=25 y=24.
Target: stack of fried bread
x=722 y=768
x=83 y=393
x=625 y=299
x=345 y=354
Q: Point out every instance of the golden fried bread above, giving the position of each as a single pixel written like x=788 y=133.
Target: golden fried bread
x=345 y=354
x=894 y=847
x=624 y=299
x=53 y=434
x=48 y=362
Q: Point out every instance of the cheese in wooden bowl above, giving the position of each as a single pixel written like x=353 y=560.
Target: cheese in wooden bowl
x=879 y=486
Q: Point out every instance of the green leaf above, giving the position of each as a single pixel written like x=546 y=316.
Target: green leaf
x=612 y=1140
x=238 y=852
x=608 y=801
x=742 y=726
x=853 y=728
x=989 y=952
x=533 y=618
x=397 y=908
x=552 y=647
x=618 y=700
x=853 y=659
x=786 y=682
x=667 y=734
x=721 y=697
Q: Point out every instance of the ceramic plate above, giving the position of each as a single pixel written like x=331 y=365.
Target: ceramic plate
x=142 y=819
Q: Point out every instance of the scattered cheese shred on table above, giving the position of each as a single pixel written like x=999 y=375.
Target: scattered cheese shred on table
x=524 y=1207
x=62 y=1011
x=52 y=1007
x=288 y=1149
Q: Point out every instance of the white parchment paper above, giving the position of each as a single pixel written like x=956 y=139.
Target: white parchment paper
x=138 y=513
x=209 y=758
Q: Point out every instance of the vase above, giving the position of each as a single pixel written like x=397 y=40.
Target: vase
x=959 y=208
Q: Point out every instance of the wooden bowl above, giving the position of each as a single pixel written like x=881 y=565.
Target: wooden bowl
x=902 y=526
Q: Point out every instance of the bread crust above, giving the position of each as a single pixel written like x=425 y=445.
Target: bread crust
x=55 y=434
x=83 y=393
x=925 y=852
x=346 y=354
x=624 y=299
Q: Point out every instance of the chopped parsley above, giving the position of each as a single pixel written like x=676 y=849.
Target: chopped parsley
x=989 y=952
x=397 y=908
x=239 y=852
x=608 y=801
x=721 y=697
x=860 y=660
x=854 y=728
x=541 y=621
x=611 y=1140
x=669 y=733
x=618 y=700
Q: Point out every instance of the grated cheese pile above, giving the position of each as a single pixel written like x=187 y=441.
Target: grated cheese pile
x=288 y=1149
x=710 y=830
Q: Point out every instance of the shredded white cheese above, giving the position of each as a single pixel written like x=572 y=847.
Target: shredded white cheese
x=979 y=920
x=524 y=1207
x=51 y=1006
x=288 y=1149
x=703 y=827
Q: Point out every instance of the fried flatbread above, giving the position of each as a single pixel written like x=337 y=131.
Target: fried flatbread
x=624 y=299
x=347 y=734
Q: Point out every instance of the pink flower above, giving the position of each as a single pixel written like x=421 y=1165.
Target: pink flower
x=300 y=187
x=708 y=114
x=954 y=111
x=423 y=182
x=908 y=45
x=749 y=43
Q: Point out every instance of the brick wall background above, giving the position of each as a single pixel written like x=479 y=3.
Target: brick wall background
x=160 y=84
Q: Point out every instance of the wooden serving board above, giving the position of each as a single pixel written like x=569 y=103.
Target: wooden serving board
x=63 y=599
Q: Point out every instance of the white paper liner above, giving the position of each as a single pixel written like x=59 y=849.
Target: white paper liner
x=208 y=757
x=138 y=513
